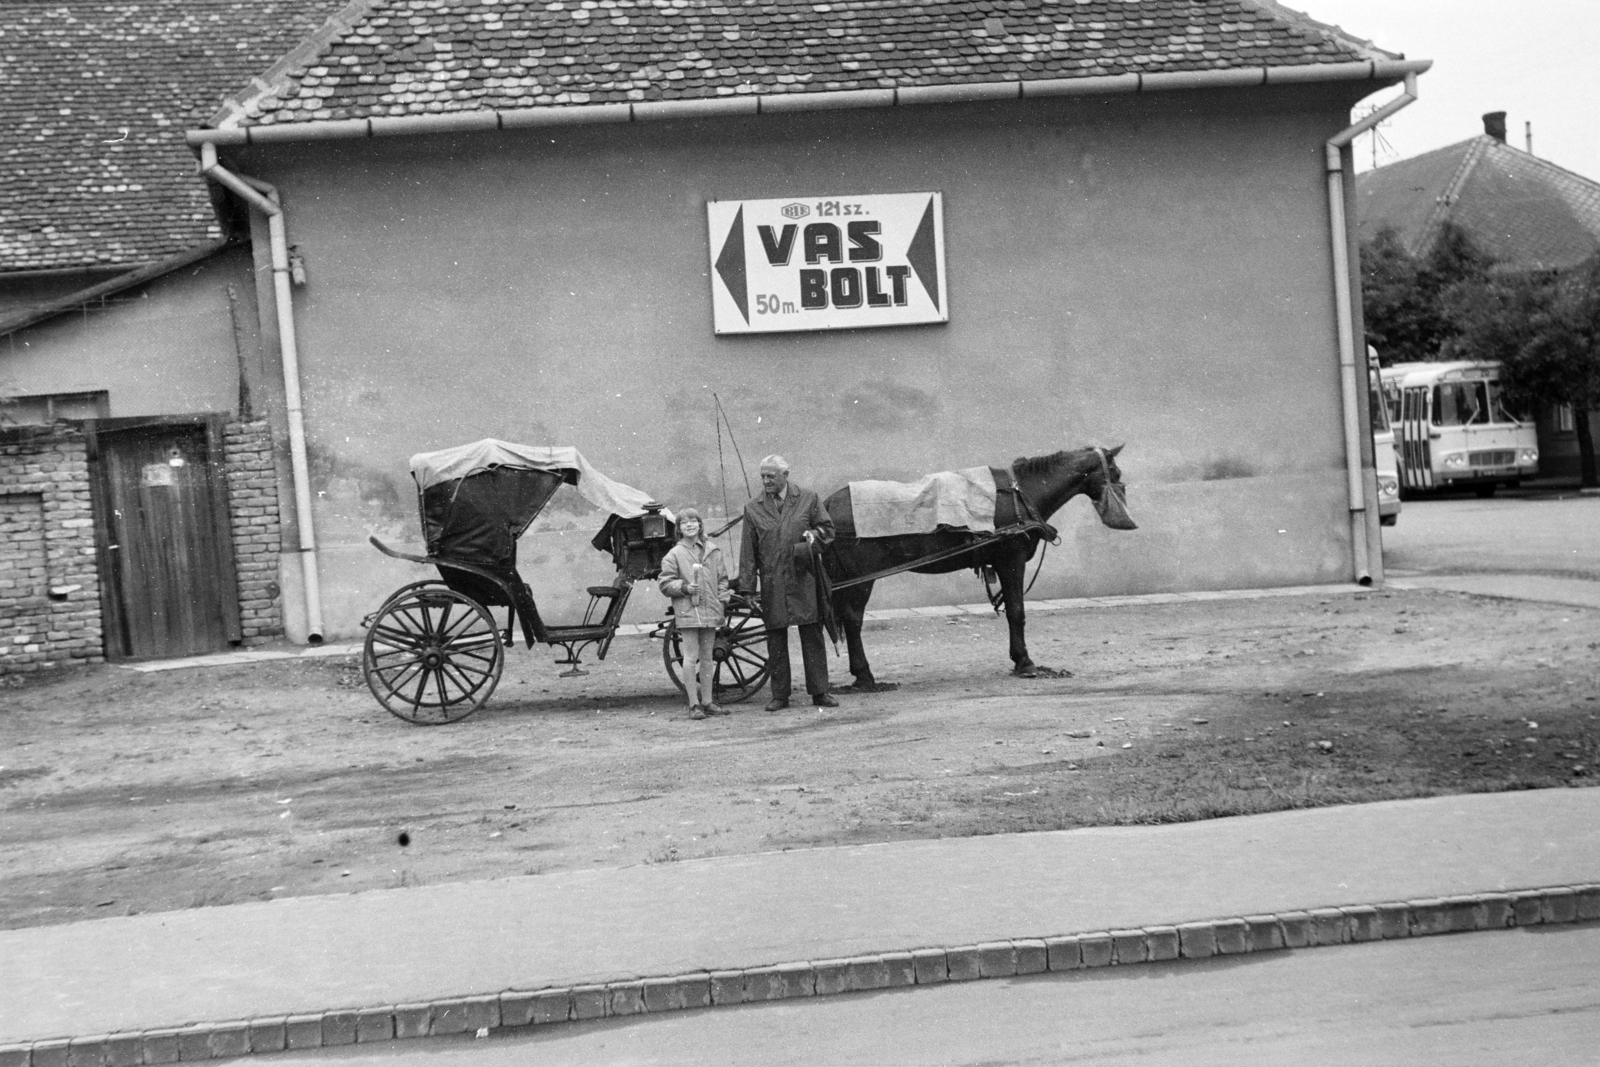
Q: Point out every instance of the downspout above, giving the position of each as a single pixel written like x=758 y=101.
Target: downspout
x=1349 y=384
x=264 y=198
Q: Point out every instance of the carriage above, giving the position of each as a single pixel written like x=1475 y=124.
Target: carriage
x=435 y=649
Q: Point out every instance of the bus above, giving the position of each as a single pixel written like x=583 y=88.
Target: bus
x=1384 y=462
x=1454 y=429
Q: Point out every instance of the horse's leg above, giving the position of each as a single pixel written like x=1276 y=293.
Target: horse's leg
x=1011 y=570
x=852 y=608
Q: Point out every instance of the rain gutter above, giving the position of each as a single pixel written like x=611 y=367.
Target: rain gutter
x=1344 y=312
x=1385 y=71
x=264 y=198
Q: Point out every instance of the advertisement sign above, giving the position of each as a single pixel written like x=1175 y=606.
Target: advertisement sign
x=827 y=262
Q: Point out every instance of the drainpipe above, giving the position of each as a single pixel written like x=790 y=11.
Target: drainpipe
x=264 y=198
x=1349 y=386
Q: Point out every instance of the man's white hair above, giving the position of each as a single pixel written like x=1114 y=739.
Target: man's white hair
x=777 y=463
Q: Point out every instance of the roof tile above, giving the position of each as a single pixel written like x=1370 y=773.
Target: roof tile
x=396 y=56
x=1525 y=211
x=94 y=99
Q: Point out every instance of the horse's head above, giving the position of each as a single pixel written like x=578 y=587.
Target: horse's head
x=1105 y=488
x=1050 y=481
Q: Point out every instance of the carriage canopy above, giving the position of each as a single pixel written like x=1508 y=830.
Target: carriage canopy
x=477 y=499
x=451 y=464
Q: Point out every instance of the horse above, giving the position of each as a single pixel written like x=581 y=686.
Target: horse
x=1029 y=491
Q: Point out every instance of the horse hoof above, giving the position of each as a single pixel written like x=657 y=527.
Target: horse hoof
x=1026 y=672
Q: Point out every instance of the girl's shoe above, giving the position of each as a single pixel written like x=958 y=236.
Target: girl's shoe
x=697 y=712
x=714 y=708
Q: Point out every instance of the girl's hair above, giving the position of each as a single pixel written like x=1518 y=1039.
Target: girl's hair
x=691 y=513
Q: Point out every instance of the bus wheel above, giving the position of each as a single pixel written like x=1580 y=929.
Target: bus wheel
x=1485 y=491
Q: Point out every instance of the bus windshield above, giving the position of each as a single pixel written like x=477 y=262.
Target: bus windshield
x=1380 y=410
x=1471 y=403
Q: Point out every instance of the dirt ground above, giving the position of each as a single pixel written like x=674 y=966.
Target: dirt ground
x=123 y=792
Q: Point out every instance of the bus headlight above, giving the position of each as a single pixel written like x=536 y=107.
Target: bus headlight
x=1388 y=487
x=1530 y=455
x=1454 y=459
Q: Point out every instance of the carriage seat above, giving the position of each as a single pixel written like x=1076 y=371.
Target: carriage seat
x=604 y=590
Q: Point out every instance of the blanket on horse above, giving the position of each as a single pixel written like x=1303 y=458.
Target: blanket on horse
x=963 y=499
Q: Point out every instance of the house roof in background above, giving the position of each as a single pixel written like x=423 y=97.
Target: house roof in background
x=1525 y=211
x=402 y=58
x=94 y=101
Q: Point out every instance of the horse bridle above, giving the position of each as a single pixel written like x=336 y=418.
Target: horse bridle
x=1105 y=470
x=1027 y=505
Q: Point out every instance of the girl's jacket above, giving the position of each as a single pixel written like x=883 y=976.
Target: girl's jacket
x=708 y=606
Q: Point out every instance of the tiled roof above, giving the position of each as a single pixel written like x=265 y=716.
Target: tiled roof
x=385 y=58
x=1525 y=211
x=94 y=100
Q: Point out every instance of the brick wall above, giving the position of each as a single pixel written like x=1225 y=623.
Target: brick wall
x=253 y=499
x=49 y=588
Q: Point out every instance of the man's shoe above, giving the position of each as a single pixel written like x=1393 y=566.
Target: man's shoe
x=823 y=700
x=697 y=712
x=775 y=704
x=714 y=708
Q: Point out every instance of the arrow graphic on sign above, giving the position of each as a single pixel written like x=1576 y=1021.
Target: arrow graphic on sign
x=730 y=265
x=923 y=256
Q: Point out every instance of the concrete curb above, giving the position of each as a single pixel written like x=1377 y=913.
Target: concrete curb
x=517 y=1008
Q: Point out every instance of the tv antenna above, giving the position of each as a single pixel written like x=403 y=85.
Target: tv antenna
x=1379 y=143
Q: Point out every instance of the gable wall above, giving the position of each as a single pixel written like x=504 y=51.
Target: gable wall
x=1148 y=270
x=173 y=345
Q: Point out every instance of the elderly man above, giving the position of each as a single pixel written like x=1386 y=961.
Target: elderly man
x=779 y=525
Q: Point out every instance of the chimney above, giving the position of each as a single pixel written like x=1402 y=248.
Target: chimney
x=1494 y=124
x=1527 y=133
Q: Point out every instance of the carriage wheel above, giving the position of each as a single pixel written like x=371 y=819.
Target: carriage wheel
x=741 y=655
x=432 y=655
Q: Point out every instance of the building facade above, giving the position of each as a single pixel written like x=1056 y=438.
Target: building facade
x=492 y=246
x=138 y=491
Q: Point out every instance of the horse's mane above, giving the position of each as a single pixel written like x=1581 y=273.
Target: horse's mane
x=1041 y=464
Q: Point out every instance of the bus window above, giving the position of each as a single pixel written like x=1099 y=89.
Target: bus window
x=1380 y=411
x=1502 y=411
x=1461 y=403
x=1391 y=393
x=1415 y=405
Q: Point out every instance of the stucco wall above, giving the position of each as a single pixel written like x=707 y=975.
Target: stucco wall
x=1149 y=270
x=172 y=345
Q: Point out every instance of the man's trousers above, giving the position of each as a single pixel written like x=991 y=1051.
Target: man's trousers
x=813 y=653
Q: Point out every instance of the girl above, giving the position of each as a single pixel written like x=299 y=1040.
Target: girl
x=696 y=579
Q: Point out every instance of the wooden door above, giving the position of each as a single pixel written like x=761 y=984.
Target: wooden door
x=165 y=546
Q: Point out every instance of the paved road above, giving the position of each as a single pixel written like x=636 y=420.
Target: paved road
x=1495 y=999
x=1526 y=533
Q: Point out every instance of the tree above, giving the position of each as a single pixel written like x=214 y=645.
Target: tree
x=1544 y=327
x=1402 y=297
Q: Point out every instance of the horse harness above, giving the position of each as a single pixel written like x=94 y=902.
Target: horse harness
x=1029 y=523
x=1032 y=521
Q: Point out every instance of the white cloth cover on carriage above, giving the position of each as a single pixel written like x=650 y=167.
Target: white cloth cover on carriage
x=607 y=494
x=963 y=499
